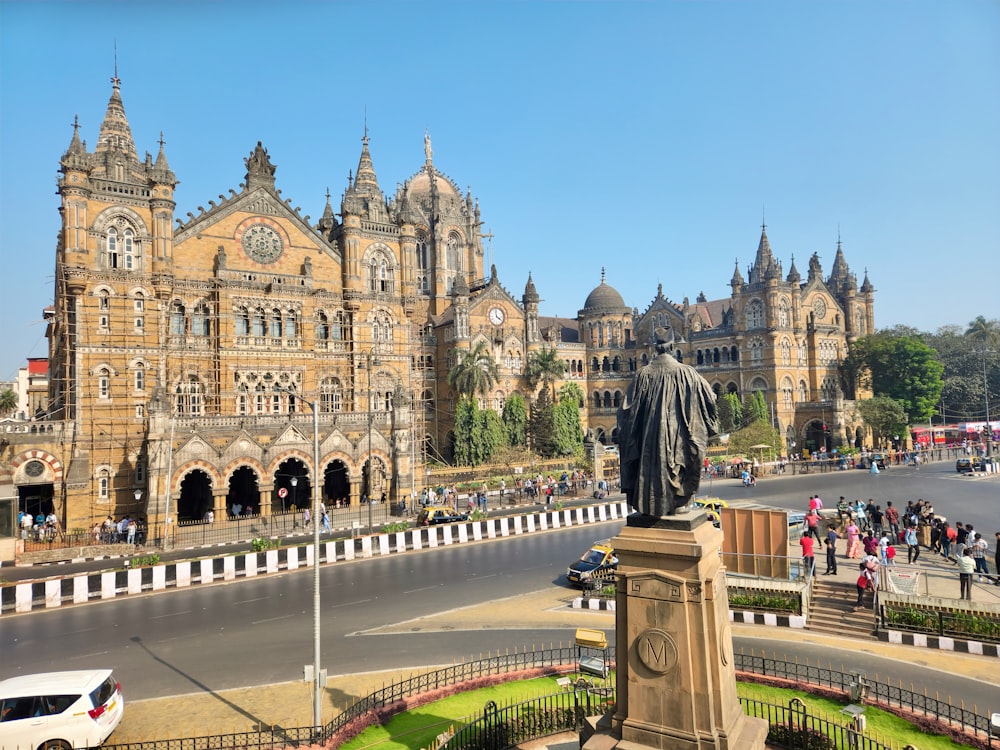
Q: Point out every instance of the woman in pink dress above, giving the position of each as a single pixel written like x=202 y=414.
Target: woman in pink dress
x=853 y=534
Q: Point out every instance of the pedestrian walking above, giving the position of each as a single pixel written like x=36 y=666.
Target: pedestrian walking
x=966 y=566
x=853 y=540
x=812 y=524
x=912 y=546
x=808 y=556
x=979 y=550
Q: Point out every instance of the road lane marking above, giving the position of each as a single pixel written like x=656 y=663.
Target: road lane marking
x=349 y=604
x=172 y=614
x=271 y=619
x=247 y=601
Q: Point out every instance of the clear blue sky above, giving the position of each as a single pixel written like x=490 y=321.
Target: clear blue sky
x=647 y=137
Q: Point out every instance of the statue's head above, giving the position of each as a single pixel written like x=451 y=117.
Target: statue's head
x=663 y=339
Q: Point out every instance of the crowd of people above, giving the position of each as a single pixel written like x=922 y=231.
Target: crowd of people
x=873 y=533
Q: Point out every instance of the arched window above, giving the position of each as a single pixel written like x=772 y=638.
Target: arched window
x=803 y=391
x=616 y=400
x=259 y=399
x=242 y=322
x=188 y=397
x=331 y=395
x=128 y=249
x=595 y=366
x=756 y=350
x=755 y=314
x=786 y=352
x=178 y=325
x=337 y=327
x=423 y=265
x=200 y=323
x=607 y=399
x=715 y=355
x=597 y=400
x=734 y=354
x=699 y=357
x=258 y=322
x=380 y=273
x=275 y=323
x=784 y=312
x=103 y=484
x=139 y=377
x=291 y=325
x=787 y=391
x=322 y=327
x=113 y=256
x=104 y=383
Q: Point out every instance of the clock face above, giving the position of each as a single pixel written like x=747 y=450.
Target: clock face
x=262 y=244
x=496 y=316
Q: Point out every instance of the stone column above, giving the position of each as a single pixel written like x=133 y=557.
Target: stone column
x=676 y=678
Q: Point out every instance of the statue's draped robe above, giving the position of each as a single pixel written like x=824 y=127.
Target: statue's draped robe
x=663 y=430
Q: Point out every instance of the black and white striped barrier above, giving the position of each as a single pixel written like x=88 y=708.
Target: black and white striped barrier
x=89 y=587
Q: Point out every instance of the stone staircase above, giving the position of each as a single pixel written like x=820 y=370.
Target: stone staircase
x=832 y=610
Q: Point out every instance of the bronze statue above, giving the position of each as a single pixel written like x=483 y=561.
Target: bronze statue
x=664 y=425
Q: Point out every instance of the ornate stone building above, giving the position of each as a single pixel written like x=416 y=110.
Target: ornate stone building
x=187 y=354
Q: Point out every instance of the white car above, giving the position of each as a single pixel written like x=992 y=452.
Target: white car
x=59 y=710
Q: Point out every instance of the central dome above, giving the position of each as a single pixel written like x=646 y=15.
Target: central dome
x=604 y=297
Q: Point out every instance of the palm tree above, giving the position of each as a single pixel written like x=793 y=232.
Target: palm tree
x=8 y=401
x=475 y=371
x=545 y=365
x=985 y=333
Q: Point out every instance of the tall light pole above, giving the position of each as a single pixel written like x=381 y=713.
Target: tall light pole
x=986 y=394
x=370 y=359
x=317 y=676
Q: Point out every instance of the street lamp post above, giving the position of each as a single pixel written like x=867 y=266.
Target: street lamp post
x=138 y=497
x=988 y=447
x=370 y=359
x=294 y=481
x=316 y=674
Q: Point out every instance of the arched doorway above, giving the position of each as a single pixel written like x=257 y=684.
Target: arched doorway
x=337 y=484
x=817 y=437
x=196 y=496
x=292 y=488
x=244 y=493
x=35 y=499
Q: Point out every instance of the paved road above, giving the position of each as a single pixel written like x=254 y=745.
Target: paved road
x=378 y=614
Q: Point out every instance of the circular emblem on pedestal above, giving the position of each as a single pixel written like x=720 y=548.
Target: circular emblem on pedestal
x=656 y=650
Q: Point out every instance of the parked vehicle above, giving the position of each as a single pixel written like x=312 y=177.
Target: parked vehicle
x=970 y=464
x=593 y=567
x=432 y=515
x=59 y=710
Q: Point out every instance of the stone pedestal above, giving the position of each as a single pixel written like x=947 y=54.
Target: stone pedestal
x=676 y=679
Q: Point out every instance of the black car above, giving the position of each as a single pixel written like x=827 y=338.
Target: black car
x=594 y=567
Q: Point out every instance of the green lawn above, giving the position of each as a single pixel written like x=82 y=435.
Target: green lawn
x=419 y=728
x=881 y=725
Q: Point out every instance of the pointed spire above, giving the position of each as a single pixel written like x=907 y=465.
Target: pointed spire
x=866 y=286
x=76 y=155
x=762 y=262
x=116 y=133
x=530 y=293
x=840 y=271
x=161 y=171
x=815 y=269
x=327 y=221
x=366 y=182
x=603 y=280
x=793 y=274
x=737 y=280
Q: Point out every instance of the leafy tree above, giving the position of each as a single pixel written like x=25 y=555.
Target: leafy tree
x=730 y=411
x=545 y=366
x=490 y=434
x=985 y=334
x=755 y=408
x=515 y=420
x=466 y=416
x=756 y=433
x=567 y=429
x=475 y=371
x=968 y=368
x=541 y=424
x=884 y=416
x=900 y=366
x=8 y=401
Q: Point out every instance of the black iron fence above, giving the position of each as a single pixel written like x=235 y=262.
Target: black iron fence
x=564 y=713
x=873 y=690
x=953 y=622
